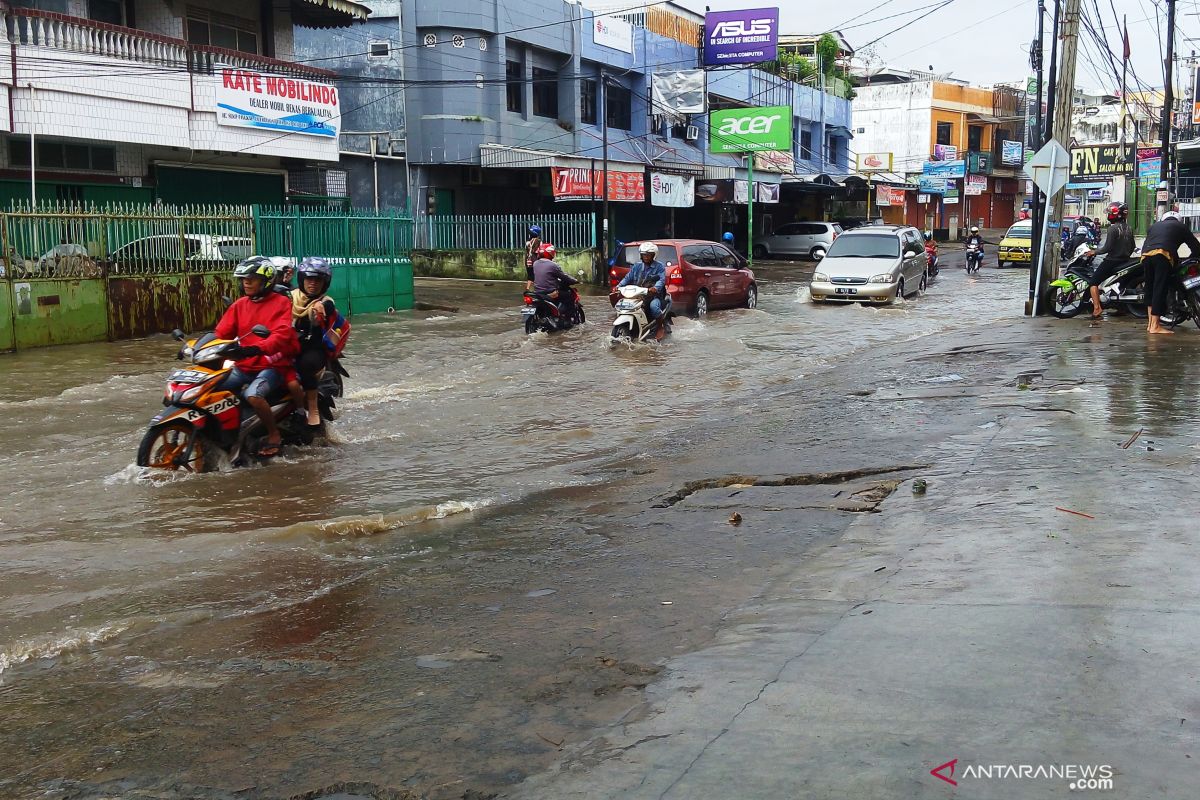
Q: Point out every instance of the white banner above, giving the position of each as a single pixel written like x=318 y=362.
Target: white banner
x=678 y=93
x=766 y=192
x=248 y=99
x=975 y=185
x=672 y=191
x=613 y=32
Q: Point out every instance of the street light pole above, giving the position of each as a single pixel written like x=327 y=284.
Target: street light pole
x=1038 y=141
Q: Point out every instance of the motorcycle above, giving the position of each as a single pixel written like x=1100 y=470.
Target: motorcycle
x=542 y=313
x=632 y=323
x=202 y=420
x=1070 y=294
x=974 y=258
x=931 y=256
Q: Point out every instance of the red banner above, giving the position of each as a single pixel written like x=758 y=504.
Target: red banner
x=584 y=184
x=889 y=196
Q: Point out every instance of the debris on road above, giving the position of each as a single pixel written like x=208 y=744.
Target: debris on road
x=735 y=519
x=1076 y=513
x=919 y=486
x=1132 y=439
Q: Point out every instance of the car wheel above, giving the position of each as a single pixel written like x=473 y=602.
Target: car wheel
x=752 y=296
x=817 y=253
x=700 y=310
x=760 y=251
x=1002 y=264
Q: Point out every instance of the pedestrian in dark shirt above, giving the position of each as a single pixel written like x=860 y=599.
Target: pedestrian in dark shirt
x=1160 y=251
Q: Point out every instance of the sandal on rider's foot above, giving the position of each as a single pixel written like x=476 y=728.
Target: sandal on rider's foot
x=269 y=449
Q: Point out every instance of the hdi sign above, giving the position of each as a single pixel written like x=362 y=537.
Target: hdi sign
x=745 y=130
x=741 y=37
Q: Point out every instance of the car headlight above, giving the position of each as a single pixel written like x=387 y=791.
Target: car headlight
x=820 y=277
x=885 y=278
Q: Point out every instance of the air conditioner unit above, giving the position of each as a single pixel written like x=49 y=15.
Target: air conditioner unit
x=692 y=133
x=533 y=179
x=474 y=176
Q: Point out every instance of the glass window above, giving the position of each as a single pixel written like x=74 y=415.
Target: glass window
x=50 y=155
x=974 y=138
x=515 y=87
x=234 y=249
x=18 y=152
x=700 y=256
x=587 y=102
x=788 y=230
x=865 y=247
x=806 y=144
x=75 y=156
x=725 y=258
x=945 y=131
x=379 y=50
x=212 y=28
x=545 y=92
x=619 y=107
x=104 y=159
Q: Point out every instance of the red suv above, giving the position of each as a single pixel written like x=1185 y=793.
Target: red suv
x=701 y=275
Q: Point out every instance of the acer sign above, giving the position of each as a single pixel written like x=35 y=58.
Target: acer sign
x=741 y=37
x=750 y=130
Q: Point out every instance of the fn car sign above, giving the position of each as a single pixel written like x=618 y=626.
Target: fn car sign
x=1101 y=161
x=741 y=37
x=747 y=130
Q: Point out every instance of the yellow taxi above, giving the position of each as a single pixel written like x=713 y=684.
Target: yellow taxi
x=1017 y=244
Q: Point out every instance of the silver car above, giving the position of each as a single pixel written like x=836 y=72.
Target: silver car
x=874 y=264
x=806 y=239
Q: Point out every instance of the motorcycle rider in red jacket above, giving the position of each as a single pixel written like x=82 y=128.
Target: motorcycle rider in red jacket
x=252 y=371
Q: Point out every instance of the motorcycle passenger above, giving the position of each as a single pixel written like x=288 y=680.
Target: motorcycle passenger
x=533 y=246
x=322 y=332
x=550 y=280
x=1159 y=254
x=253 y=373
x=728 y=240
x=1118 y=246
x=285 y=268
x=651 y=273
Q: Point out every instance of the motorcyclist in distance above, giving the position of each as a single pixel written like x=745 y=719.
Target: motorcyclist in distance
x=651 y=273
x=253 y=373
x=550 y=280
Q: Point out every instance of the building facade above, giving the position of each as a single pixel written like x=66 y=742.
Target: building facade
x=121 y=100
x=947 y=141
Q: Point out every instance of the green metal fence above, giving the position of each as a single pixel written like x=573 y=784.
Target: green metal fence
x=505 y=231
x=370 y=250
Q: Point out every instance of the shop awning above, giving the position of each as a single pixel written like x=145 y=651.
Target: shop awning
x=498 y=156
x=989 y=119
x=840 y=131
x=327 y=13
x=682 y=156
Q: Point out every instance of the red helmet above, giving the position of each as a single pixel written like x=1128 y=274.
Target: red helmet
x=548 y=251
x=1117 y=211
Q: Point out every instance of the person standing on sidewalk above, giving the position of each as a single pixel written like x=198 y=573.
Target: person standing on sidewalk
x=1118 y=246
x=1159 y=253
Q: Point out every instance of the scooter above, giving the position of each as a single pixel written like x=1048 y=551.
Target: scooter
x=542 y=313
x=1070 y=294
x=202 y=420
x=632 y=324
x=974 y=258
x=931 y=255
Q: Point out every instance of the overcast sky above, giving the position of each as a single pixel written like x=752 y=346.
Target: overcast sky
x=985 y=41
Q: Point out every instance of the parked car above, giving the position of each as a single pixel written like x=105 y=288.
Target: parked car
x=701 y=275
x=872 y=264
x=1017 y=244
x=850 y=223
x=192 y=246
x=807 y=239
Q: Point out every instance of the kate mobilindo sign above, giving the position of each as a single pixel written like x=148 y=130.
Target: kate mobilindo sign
x=741 y=37
x=248 y=99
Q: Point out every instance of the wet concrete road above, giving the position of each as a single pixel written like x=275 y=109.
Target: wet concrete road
x=430 y=605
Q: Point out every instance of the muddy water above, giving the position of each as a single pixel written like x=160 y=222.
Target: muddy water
x=148 y=623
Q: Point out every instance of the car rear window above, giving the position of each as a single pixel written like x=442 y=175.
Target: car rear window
x=666 y=254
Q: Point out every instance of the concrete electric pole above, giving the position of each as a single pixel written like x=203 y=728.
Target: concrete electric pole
x=1164 y=175
x=1061 y=125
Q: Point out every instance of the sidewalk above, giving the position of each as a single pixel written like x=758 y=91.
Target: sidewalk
x=978 y=622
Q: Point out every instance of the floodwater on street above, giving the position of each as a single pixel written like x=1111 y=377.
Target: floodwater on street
x=150 y=622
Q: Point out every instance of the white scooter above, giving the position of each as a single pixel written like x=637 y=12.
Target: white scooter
x=632 y=323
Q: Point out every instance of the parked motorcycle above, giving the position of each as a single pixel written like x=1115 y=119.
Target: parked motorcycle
x=542 y=313
x=201 y=420
x=632 y=323
x=1070 y=294
x=974 y=258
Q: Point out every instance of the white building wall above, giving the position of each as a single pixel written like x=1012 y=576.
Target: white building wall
x=895 y=118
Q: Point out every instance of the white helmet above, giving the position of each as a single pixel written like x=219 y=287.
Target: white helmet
x=974 y=229
x=648 y=247
x=1172 y=215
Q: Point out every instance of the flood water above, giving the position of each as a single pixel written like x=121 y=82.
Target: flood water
x=148 y=622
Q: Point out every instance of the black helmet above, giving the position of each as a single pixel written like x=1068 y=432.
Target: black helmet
x=315 y=267
x=257 y=267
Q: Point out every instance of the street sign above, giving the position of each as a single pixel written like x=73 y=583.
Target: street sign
x=1049 y=168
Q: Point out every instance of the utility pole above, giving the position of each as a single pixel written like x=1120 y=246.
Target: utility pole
x=1039 y=138
x=604 y=155
x=1052 y=80
x=1063 y=109
x=1164 y=174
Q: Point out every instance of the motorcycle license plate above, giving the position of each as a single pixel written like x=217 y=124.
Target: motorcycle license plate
x=627 y=305
x=845 y=290
x=1192 y=283
x=189 y=376
x=528 y=312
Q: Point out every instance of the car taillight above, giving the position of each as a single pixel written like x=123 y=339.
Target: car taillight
x=675 y=276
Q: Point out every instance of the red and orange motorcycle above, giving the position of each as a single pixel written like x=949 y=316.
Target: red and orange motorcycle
x=202 y=421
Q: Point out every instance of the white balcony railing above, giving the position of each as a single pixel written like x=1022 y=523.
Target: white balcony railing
x=35 y=28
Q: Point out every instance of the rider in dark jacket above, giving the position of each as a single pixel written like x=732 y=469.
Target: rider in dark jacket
x=549 y=279
x=1118 y=246
x=1160 y=251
